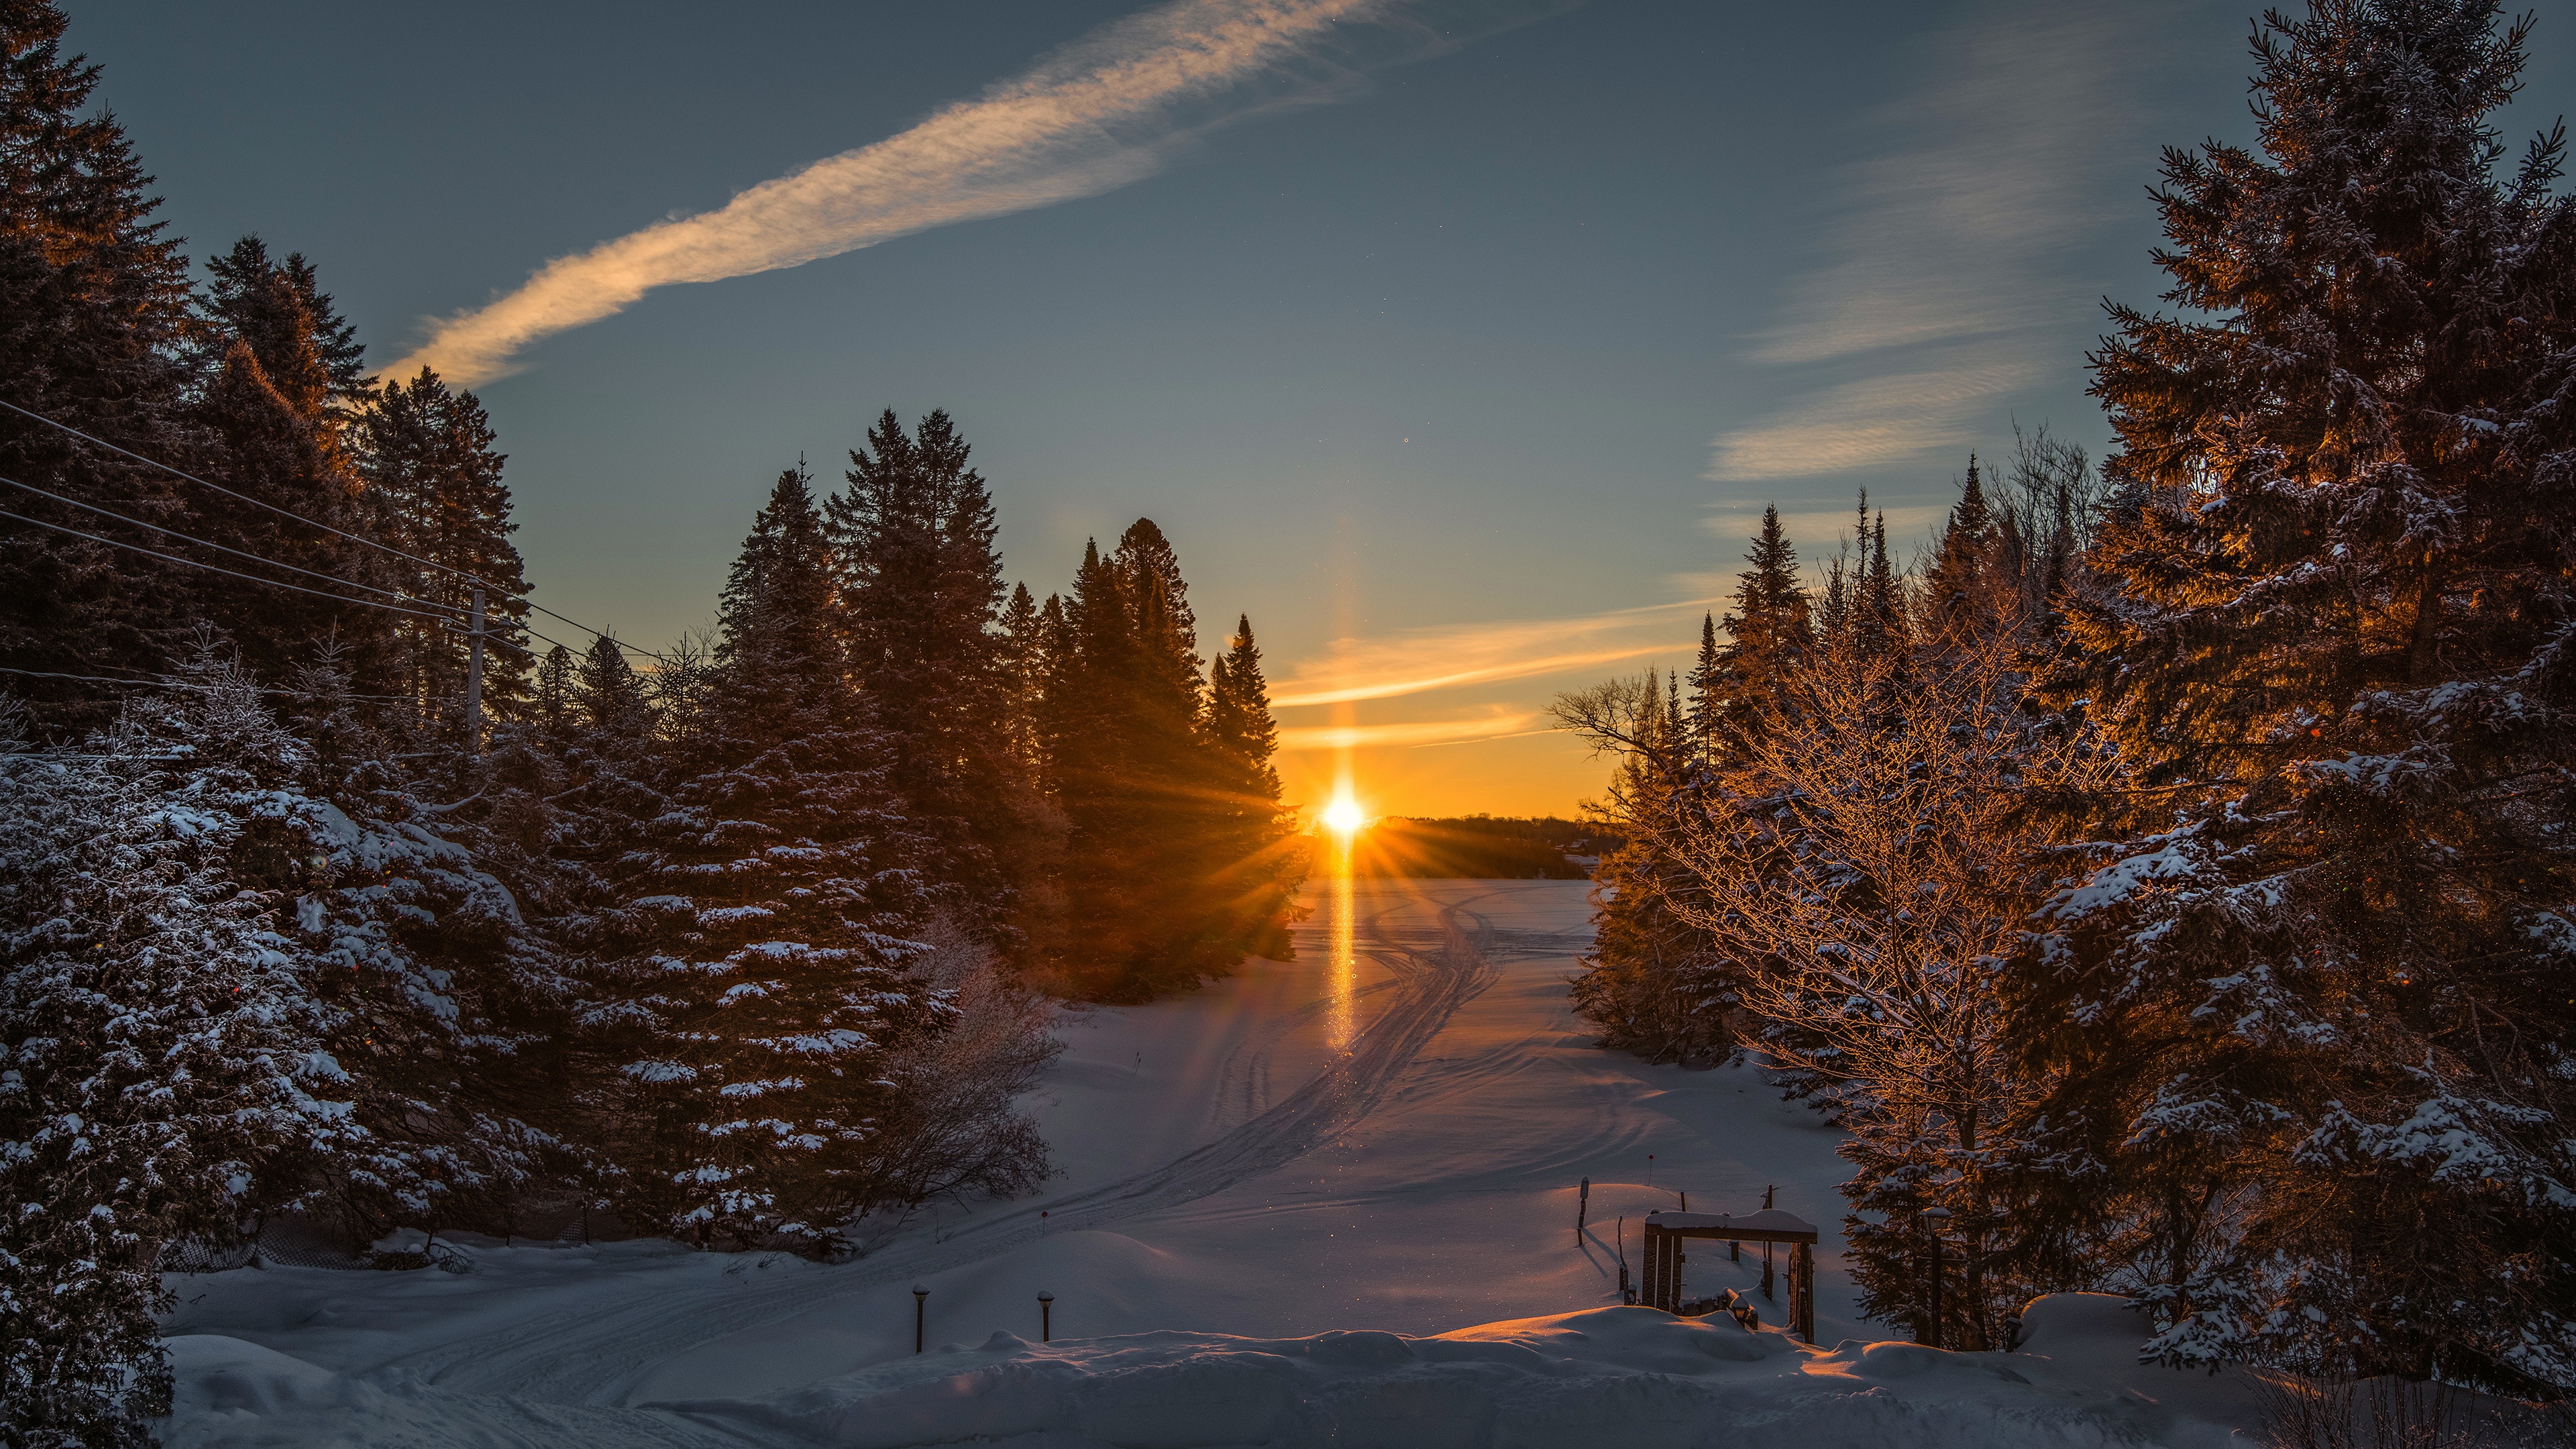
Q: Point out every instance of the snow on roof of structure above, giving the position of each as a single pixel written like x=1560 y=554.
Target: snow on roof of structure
x=1770 y=1220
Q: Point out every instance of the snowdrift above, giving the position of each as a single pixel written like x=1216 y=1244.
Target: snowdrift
x=1631 y=1377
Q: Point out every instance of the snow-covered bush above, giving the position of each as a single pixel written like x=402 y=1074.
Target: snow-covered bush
x=955 y=1129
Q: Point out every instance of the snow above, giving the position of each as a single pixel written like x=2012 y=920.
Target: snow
x=1288 y=1203
x=1752 y=1222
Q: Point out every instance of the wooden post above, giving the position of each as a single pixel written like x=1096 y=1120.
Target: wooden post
x=1627 y=1291
x=1582 y=1204
x=1802 y=1278
x=1766 y=1247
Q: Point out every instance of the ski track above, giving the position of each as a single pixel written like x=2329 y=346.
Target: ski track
x=593 y=1356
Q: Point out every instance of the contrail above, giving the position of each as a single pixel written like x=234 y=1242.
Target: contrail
x=1091 y=117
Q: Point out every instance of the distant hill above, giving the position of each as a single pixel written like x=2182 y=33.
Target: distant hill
x=1480 y=847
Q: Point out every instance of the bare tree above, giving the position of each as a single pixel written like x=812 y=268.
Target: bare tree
x=1870 y=869
x=959 y=1129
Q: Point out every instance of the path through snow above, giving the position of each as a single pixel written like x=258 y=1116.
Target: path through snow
x=1384 y=1135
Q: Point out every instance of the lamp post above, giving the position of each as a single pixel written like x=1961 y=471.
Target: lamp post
x=1046 y=1316
x=920 y=1298
x=1934 y=1220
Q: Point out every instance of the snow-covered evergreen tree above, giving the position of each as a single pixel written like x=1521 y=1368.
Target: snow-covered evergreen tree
x=164 y=1062
x=1650 y=981
x=2320 y=1041
x=770 y=975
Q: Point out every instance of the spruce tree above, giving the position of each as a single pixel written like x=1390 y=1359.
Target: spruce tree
x=2315 y=1018
x=311 y=354
x=1022 y=658
x=1650 y=982
x=1961 y=560
x=1146 y=793
x=770 y=976
x=265 y=446
x=1256 y=874
x=920 y=592
x=434 y=490
x=164 y=1061
x=1767 y=633
x=93 y=309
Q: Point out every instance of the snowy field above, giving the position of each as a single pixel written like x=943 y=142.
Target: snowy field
x=1288 y=1202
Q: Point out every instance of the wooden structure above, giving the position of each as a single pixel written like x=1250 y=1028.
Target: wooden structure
x=1667 y=1232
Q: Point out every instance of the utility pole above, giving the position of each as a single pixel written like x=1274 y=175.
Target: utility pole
x=474 y=681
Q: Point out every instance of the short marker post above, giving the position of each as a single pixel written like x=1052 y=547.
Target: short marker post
x=1046 y=1316
x=920 y=1298
x=1582 y=1204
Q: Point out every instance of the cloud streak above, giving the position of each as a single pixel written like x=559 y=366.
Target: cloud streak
x=1944 y=286
x=1093 y=116
x=1420 y=660
x=1501 y=722
x=1866 y=423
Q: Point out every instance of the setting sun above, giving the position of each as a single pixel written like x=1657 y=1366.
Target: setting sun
x=1343 y=815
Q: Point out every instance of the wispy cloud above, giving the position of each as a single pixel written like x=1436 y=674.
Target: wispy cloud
x=1860 y=424
x=1500 y=722
x=1095 y=115
x=1942 y=288
x=1420 y=660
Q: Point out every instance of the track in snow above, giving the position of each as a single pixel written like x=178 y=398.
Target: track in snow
x=591 y=1355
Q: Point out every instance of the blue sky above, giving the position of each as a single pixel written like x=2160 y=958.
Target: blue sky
x=1458 y=343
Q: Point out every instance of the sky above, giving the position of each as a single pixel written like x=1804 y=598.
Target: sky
x=1459 y=344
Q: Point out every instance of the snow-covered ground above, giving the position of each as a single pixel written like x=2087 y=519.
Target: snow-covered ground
x=1287 y=1200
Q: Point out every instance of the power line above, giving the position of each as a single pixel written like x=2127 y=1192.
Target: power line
x=518 y=594
x=237 y=553
x=176 y=684
x=235 y=573
x=491 y=636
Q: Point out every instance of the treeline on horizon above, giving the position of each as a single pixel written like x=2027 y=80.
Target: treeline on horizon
x=745 y=938
x=2165 y=882
x=1475 y=847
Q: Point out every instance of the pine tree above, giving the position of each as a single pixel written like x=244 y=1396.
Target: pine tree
x=93 y=308
x=1145 y=793
x=311 y=354
x=1962 y=560
x=1767 y=634
x=2319 y=1000
x=1256 y=873
x=920 y=593
x=770 y=980
x=435 y=492
x=265 y=447
x=1022 y=658
x=554 y=694
x=162 y=1056
x=1650 y=982
x=1879 y=602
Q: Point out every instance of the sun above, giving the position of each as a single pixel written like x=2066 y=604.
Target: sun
x=1343 y=815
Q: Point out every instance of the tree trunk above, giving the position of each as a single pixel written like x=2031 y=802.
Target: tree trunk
x=2424 y=646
